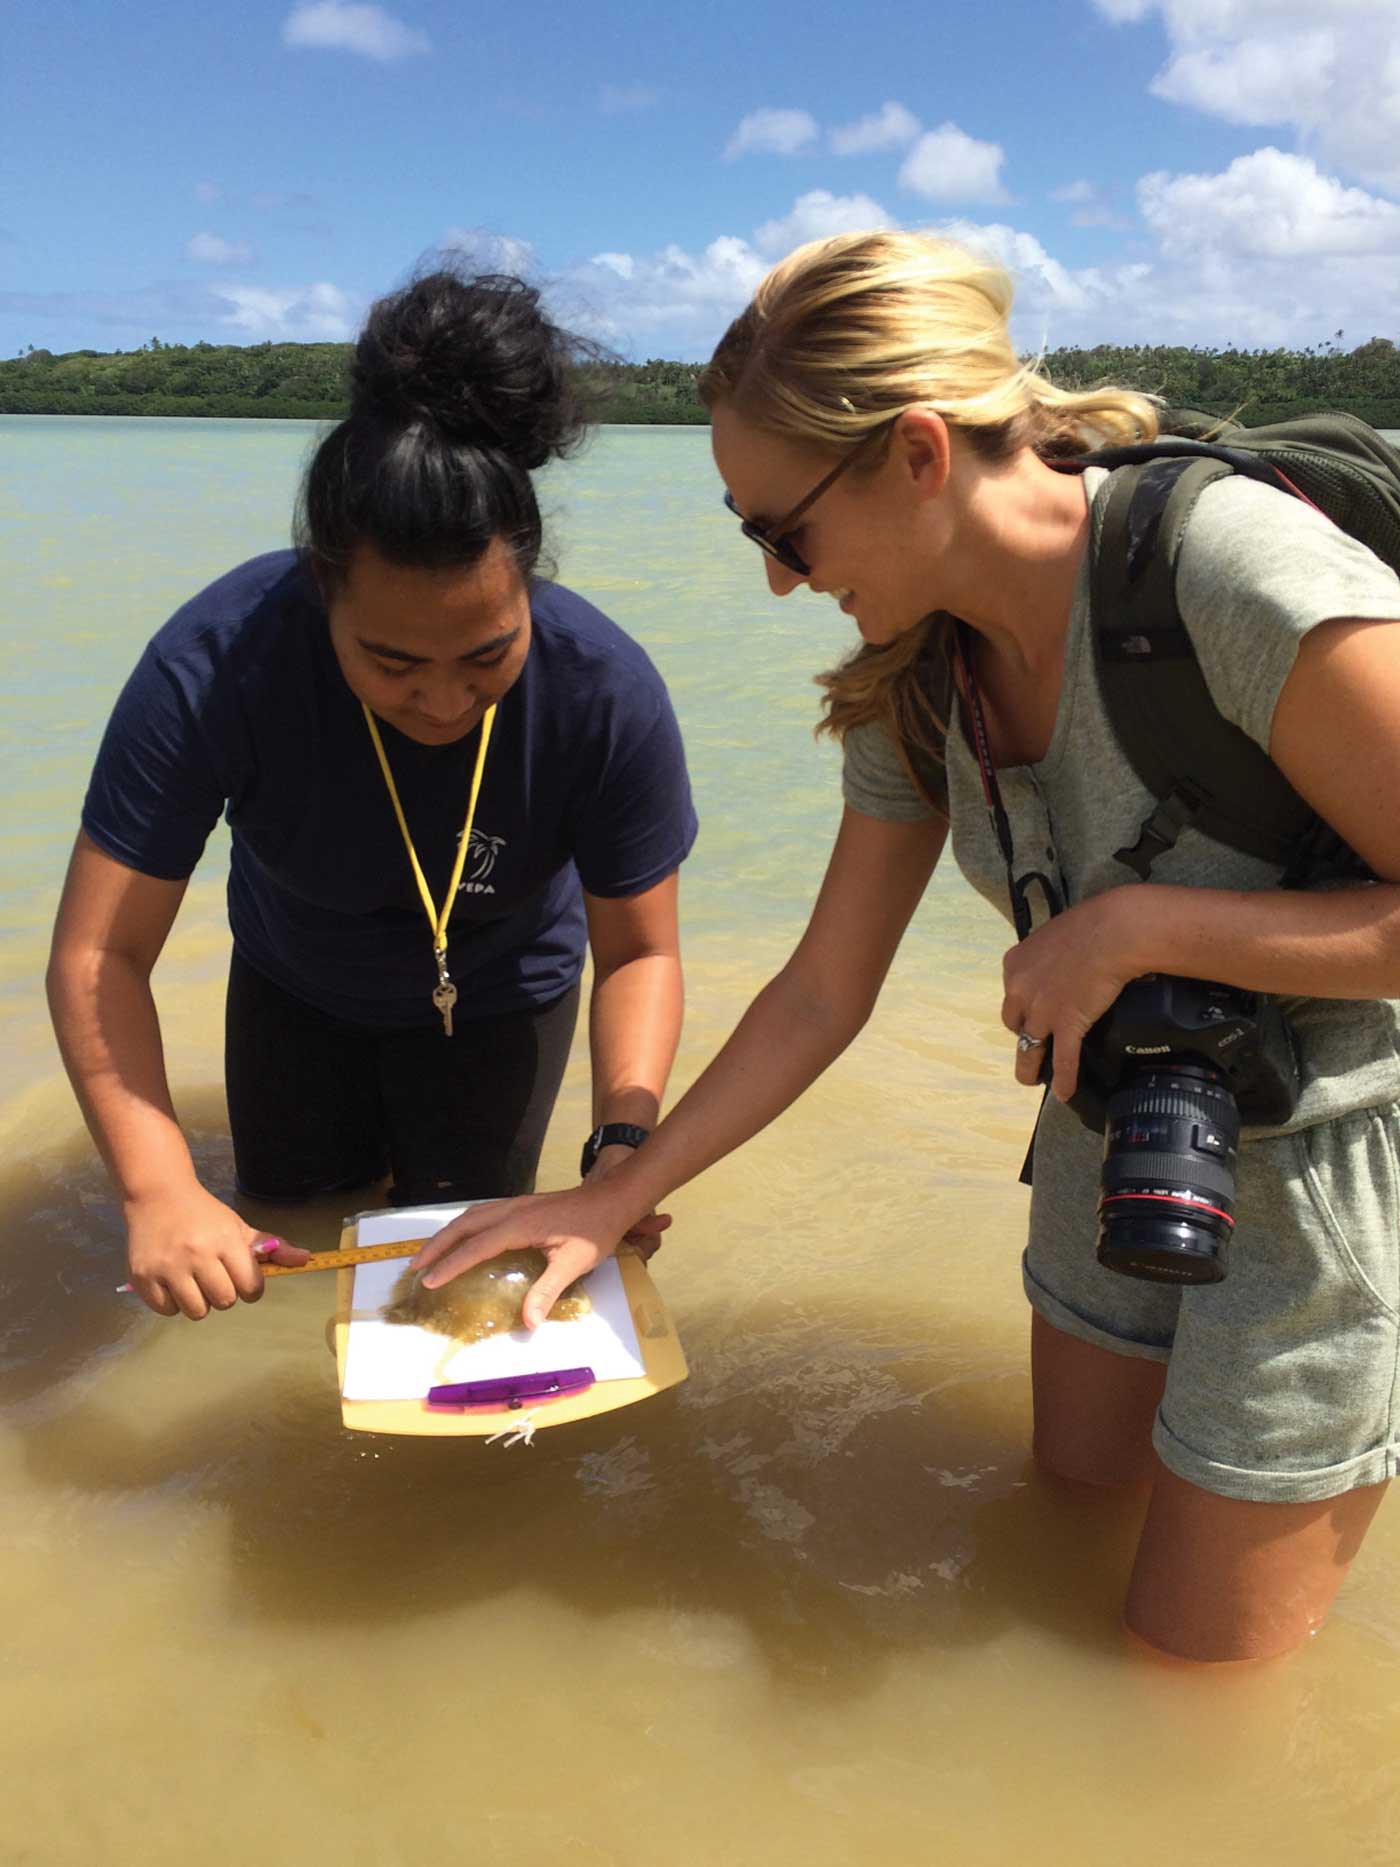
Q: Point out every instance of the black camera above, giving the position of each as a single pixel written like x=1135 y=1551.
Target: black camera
x=1166 y=1075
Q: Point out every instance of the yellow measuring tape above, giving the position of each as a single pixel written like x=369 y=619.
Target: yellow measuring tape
x=350 y=1255
x=445 y=992
x=344 y=1258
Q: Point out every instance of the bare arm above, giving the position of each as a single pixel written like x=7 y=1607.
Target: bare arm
x=634 y=1017
x=112 y=924
x=798 y=1025
x=805 y=1017
x=187 y=1250
x=1336 y=737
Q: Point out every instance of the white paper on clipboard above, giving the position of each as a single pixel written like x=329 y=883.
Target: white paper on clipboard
x=395 y=1361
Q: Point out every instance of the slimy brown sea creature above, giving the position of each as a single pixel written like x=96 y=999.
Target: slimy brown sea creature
x=483 y=1301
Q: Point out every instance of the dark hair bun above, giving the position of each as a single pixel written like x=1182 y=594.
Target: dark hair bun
x=477 y=358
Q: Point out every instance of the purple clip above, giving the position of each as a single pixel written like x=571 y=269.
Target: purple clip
x=509 y=1390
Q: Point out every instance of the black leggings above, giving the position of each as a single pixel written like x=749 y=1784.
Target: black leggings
x=320 y=1106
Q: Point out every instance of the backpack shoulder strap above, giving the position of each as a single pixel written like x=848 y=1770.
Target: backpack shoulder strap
x=1201 y=768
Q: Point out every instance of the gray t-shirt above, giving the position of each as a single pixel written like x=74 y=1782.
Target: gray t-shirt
x=1257 y=570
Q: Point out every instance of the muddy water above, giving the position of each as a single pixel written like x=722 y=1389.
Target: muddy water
x=814 y=1606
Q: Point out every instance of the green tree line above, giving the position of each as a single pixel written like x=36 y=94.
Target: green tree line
x=307 y=382
x=1261 y=385
x=298 y=382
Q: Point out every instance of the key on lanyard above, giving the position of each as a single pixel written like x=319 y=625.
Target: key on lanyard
x=445 y=997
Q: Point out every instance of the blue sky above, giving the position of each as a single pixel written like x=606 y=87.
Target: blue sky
x=1181 y=171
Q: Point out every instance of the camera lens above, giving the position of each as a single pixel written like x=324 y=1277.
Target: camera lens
x=1166 y=1210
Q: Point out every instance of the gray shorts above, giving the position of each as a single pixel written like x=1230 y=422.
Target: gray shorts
x=1283 y=1382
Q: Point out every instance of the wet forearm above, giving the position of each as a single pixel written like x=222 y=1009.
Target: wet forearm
x=109 y=1035
x=634 y=1025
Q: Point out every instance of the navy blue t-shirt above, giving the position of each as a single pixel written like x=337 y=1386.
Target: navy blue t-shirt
x=238 y=706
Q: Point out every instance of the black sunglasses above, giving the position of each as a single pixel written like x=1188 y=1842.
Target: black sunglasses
x=773 y=539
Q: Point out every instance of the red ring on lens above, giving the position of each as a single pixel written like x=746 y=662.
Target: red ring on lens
x=1168 y=1199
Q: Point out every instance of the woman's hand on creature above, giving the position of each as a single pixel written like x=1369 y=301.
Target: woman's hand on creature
x=189 y=1253
x=1061 y=979
x=645 y=1235
x=574 y=1230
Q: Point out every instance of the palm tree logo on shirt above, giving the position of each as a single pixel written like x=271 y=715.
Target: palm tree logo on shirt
x=482 y=851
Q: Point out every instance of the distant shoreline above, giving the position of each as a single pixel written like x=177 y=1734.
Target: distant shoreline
x=287 y=382
x=306 y=382
x=101 y=414
x=1385 y=419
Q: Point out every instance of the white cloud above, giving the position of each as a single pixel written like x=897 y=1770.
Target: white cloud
x=1269 y=251
x=671 y=302
x=1268 y=205
x=891 y=127
x=490 y=252
x=207 y=193
x=772 y=132
x=1046 y=289
x=1285 y=79
x=618 y=100
x=677 y=303
x=1090 y=210
x=180 y=313
x=1211 y=296
x=947 y=164
x=1202 y=285
x=211 y=250
x=1195 y=287
x=816 y=216
x=304 y=313
x=1272 y=250
x=340 y=25
x=1331 y=73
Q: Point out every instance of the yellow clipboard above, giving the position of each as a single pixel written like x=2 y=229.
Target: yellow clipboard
x=662 y=1357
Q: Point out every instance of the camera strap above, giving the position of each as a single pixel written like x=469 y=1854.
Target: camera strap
x=1016 y=886
x=1001 y=829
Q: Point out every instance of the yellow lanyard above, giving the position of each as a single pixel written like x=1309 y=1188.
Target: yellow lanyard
x=445 y=992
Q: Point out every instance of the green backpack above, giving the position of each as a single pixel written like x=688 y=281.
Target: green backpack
x=1203 y=770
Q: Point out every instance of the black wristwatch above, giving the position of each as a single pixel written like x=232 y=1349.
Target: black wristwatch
x=611 y=1134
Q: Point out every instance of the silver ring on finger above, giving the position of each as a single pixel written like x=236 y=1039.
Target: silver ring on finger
x=1025 y=1043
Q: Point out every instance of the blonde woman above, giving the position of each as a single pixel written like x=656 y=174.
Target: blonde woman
x=881 y=442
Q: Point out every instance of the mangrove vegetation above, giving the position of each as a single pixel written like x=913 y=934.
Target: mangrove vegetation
x=306 y=382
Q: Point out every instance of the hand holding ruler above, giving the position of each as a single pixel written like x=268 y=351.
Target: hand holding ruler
x=345 y=1258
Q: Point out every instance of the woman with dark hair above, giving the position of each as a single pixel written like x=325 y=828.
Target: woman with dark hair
x=444 y=776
